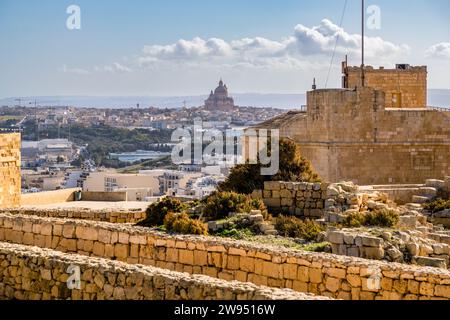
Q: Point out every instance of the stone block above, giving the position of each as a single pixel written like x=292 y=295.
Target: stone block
x=335 y=237
x=271 y=185
x=408 y=221
x=371 y=241
x=374 y=253
x=431 y=262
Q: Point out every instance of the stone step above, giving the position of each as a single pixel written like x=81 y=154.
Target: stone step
x=420 y=199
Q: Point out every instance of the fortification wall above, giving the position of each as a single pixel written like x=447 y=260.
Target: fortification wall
x=350 y=135
x=48 y=197
x=322 y=274
x=297 y=198
x=30 y=273
x=411 y=84
x=104 y=196
x=85 y=214
x=10 y=183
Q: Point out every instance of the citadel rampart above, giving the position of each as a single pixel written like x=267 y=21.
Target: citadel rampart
x=323 y=274
x=84 y=214
x=30 y=273
x=10 y=183
x=351 y=135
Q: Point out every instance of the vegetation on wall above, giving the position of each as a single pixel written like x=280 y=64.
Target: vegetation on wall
x=292 y=227
x=218 y=205
x=157 y=211
x=437 y=205
x=183 y=224
x=378 y=218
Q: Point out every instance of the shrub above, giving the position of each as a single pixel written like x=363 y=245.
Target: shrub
x=437 y=205
x=181 y=223
x=378 y=218
x=354 y=220
x=382 y=218
x=293 y=167
x=220 y=204
x=157 y=211
x=296 y=228
x=237 y=234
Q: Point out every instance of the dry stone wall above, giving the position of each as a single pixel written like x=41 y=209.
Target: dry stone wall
x=322 y=274
x=296 y=198
x=10 y=183
x=85 y=214
x=31 y=273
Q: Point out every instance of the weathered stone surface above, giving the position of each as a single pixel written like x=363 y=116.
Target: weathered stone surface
x=431 y=262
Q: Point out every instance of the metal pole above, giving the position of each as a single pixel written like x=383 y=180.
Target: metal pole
x=362 y=42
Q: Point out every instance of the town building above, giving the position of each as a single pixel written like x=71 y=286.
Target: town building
x=137 y=186
x=219 y=100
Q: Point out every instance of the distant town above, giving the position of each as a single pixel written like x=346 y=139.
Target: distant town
x=121 y=149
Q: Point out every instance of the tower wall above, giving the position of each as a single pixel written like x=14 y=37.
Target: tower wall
x=10 y=183
x=350 y=135
x=404 y=88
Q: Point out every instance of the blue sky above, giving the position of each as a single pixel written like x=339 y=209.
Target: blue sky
x=133 y=47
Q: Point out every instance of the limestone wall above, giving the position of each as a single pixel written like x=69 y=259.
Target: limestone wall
x=104 y=196
x=10 y=183
x=297 y=198
x=85 y=214
x=322 y=274
x=30 y=273
x=351 y=135
x=48 y=197
x=403 y=88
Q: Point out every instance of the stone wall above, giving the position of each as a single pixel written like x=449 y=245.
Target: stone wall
x=435 y=253
x=48 y=197
x=10 y=183
x=403 y=88
x=30 y=273
x=104 y=196
x=322 y=274
x=85 y=214
x=296 y=198
x=351 y=135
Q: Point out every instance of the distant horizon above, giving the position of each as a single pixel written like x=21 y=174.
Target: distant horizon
x=436 y=98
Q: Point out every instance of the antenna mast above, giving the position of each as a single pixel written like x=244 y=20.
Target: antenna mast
x=362 y=42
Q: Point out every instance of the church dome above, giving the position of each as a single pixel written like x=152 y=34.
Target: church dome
x=221 y=90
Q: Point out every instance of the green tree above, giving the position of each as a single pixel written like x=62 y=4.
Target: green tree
x=293 y=167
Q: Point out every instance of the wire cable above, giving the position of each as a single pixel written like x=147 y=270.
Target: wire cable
x=336 y=43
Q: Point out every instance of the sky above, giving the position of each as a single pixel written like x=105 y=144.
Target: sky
x=179 y=47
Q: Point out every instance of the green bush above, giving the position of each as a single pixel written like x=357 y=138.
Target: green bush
x=237 y=234
x=382 y=218
x=182 y=223
x=354 y=220
x=220 y=204
x=157 y=211
x=437 y=205
x=378 y=218
x=293 y=227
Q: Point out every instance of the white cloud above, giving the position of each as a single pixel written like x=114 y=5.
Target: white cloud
x=439 y=51
x=114 y=68
x=77 y=71
x=298 y=48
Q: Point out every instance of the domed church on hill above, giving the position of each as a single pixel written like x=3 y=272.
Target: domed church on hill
x=219 y=99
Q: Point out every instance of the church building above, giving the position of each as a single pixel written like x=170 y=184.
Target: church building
x=219 y=99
